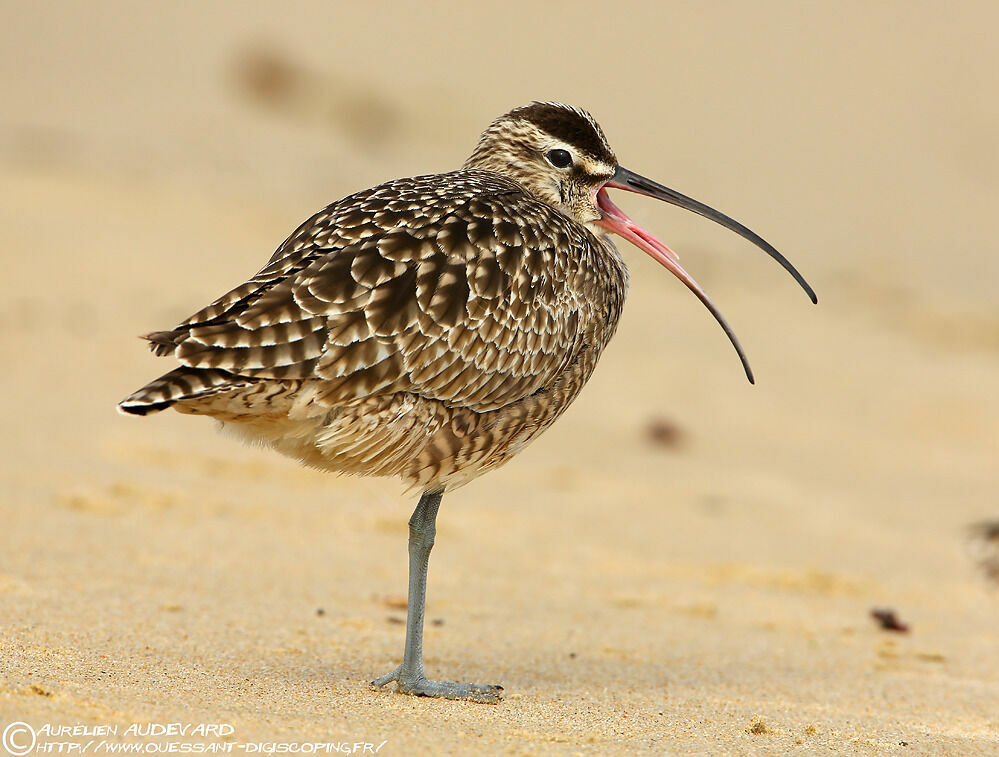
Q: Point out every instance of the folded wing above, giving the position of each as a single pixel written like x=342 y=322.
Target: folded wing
x=474 y=298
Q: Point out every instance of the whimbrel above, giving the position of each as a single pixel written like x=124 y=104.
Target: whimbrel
x=429 y=328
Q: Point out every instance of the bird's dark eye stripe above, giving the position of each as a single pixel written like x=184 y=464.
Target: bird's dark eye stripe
x=559 y=158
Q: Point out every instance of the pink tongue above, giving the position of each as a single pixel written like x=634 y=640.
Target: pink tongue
x=617 y=221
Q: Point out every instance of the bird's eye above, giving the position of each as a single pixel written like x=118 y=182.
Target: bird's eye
x=559 y=158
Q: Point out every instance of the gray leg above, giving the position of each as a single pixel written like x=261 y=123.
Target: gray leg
x=409 y=676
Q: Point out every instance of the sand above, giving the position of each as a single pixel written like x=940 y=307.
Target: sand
x=684 y=564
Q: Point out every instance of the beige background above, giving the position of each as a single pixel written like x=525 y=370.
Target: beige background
x=634 y=597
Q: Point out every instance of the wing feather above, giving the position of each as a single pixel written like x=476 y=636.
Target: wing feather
x=453 y=295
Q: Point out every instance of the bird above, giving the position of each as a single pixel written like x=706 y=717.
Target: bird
x=430 y=328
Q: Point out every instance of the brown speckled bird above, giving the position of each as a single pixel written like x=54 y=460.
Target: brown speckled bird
x=430 y=328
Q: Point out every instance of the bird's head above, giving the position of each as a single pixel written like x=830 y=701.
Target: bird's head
x=556 y=152
x=560 y=155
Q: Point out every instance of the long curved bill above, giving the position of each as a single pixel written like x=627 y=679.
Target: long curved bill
x=614 y=219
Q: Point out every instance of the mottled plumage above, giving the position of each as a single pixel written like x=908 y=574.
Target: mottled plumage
x=428 y=328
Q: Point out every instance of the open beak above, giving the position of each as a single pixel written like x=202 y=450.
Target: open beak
x=614 y=219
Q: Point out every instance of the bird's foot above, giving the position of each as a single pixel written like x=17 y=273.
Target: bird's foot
x=419 y=686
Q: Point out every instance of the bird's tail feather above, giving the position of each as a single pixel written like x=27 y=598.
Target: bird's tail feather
x=179 y=384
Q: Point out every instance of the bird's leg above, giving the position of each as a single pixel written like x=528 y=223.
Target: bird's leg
x=409 y=676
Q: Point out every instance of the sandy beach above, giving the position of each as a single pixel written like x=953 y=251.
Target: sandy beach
x=685 y=564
